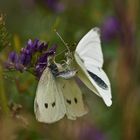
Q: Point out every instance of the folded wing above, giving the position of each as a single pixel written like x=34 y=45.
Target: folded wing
x=88 y=55
x=75 y=105
x=49 y=105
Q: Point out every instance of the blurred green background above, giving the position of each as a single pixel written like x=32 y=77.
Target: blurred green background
x=119 y=22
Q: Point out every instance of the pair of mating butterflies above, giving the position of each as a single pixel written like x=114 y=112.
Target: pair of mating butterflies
x=57 y=97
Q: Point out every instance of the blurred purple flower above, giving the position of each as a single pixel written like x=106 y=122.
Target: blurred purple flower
x=89 y=132
x=34 y=56
x=55 y=5
x=13 y=61
x=13 y=57
x=52 y=50
x=32 y=46
x=25 y=59
x=110 y=28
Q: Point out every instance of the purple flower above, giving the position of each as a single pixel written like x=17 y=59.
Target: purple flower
x=36 y=45
x=13 y=57
x=25 y=59
x=52 y=50
x=89 y=132
x=55 y=5
x=110 y=28
x=39 y=69
x=32 y=46
x=14 y=62
x=41 y=64
x=42 y=60
x=33 y=57
x=42 y=47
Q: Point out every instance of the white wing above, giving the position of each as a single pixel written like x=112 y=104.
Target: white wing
x=89 y=48
x=89 y=57
x=49 y=105
x=75 y=106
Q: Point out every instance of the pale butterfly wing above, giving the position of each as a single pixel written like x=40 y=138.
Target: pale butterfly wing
x=49 y=105
x=89 y=48
x=89 y=57
x=83 y=77
x=75 y=106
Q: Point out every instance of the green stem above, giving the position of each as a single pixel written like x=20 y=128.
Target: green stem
x=3 y=99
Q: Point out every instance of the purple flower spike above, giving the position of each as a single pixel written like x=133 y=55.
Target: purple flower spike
x=55 y=5
x=25 y=59
x=110 y=28
x=39 y=69
x=36 y=45
x=46 y=46
x=40 y=47
x=32 y=46
x=29 y=43
x=32 y=58
x=14 y=62
x=13 y=57
x=25 y=51
x=43 y=58
x=41 y=64
x=89 y=132
x=52 y=50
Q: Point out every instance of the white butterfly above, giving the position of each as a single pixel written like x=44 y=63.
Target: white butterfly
x=56 y=97
x=88 y=55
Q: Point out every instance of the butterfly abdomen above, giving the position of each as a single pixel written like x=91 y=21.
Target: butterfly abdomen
x=67 y=74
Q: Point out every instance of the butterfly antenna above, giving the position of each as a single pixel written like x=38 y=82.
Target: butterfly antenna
x=62 y=40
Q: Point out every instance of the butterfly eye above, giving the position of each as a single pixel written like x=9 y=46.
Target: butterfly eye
x=75 y=100
x=68 y=101
x=53 y=104
x=98 y=80
x=46 y=105
x=54 y=69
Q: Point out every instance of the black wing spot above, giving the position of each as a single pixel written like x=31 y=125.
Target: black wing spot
x=46 y=105
x=98 y=80
x=53 y=104
x=68 y=101
x=75 y=100
x=63 y=86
